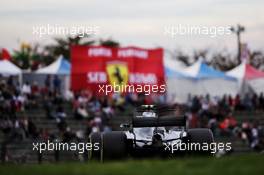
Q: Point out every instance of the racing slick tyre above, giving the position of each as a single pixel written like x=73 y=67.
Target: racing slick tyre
x=95 y=154
x=113 y=145
x=200 y=136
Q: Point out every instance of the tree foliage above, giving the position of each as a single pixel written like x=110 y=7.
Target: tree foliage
x=30 y=57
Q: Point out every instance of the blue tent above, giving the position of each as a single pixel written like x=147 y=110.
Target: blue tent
x=198 y=70
x=169 y=73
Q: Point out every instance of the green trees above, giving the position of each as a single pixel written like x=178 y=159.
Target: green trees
x=31 y=56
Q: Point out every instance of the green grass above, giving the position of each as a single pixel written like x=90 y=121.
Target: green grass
x=235 y=165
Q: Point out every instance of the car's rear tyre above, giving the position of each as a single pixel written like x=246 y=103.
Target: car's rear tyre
x=113 y=146
x=200 y=136
x=95 y=154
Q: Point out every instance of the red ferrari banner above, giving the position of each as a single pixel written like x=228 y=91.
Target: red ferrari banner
x=126 y=69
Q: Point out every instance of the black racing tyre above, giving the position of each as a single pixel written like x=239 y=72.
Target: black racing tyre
x=200 y=136
x=95 y=153
x=113 y=145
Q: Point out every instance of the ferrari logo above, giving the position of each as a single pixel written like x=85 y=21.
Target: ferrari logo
x=117 y=73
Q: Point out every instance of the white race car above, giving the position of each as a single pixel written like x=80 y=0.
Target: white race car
x=152 y=131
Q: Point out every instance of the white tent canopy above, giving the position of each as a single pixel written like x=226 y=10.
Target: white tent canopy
x=249 y=79
x=8 y=68
x=60 y=67
x=198 y=79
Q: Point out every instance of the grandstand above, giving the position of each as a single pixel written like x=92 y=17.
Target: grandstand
x=20 y=151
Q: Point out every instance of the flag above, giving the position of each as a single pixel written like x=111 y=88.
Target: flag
x=5 y=54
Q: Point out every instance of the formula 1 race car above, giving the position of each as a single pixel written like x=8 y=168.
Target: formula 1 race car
x=153 y=130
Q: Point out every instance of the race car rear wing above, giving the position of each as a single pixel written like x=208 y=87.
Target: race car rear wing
x=138 y=122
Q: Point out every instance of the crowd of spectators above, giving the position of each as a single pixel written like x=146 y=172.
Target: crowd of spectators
x=95 y=112
x=218 y=115
x=17 y=102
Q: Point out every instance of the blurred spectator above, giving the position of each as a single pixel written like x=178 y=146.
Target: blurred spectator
x=81 y=112
x=261 y=101
x=247 y=102
x=60 y=114
x=48 y=82
x=228 y=124
x=254 y=136
x=10 y=81
x=35 y=89
x=26 y=89
x=193 y=120
x=56 y=84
